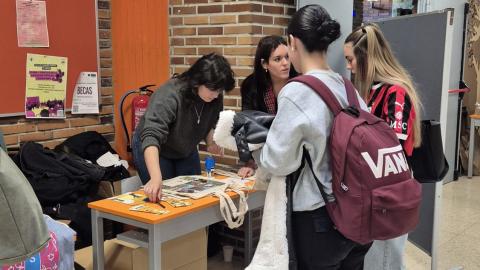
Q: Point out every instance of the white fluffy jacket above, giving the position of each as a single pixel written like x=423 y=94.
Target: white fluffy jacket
x=272 y=249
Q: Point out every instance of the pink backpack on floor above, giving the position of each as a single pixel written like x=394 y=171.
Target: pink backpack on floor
x=376 y=196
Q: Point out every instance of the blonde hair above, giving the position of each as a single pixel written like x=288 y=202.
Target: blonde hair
x=376 y=63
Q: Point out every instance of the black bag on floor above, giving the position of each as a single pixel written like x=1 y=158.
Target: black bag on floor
x=428 y=161
x=91 y=145
x=57 y=177
x=63 y=183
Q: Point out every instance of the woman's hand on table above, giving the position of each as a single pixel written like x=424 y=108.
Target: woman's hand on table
x=153 y=190
x=245 y=172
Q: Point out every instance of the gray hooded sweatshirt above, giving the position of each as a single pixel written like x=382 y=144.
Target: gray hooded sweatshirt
x=303 y=120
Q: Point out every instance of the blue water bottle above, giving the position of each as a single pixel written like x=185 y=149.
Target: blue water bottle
x=209 y=165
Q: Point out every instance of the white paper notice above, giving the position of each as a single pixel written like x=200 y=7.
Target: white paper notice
x=32 y=30
x=85 y=95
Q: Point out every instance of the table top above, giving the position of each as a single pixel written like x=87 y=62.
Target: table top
x=121 y=209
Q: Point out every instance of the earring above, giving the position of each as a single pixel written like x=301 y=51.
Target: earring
x=266 y=70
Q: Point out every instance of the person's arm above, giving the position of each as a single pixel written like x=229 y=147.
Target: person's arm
x=160 y=114
x=212 y=147
x=283 y=149
x=153 y=188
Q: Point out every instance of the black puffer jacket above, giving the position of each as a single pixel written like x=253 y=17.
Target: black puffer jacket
x=57 y=177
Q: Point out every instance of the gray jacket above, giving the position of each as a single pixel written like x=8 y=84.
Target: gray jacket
x=303 y=120
x=174 y=125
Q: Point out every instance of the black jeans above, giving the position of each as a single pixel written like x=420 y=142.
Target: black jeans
x=319 y=246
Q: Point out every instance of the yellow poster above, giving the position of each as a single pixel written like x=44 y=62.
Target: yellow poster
x=45 y=86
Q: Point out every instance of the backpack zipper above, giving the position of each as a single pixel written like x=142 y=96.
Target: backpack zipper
x=344 y=187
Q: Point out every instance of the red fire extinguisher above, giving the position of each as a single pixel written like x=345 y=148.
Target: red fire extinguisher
x=139 y=107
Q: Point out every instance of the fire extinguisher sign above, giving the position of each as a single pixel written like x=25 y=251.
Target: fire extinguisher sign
x=85 y=95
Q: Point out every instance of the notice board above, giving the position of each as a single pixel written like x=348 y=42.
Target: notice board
x=73 y=33
x=425 y=61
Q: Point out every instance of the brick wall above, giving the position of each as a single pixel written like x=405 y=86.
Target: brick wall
x=230 y=28
x=233 y=29
x=52 y=132
x=383 y=10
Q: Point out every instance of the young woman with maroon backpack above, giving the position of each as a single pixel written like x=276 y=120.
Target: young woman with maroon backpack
x=303 y=121
x=390 y=95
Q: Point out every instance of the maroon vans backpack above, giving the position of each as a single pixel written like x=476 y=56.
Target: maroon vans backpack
x=375 y=194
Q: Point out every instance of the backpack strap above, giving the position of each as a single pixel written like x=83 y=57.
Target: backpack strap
x=322 y=90
x=306 y=156
x=351 y=93
x=327 y=95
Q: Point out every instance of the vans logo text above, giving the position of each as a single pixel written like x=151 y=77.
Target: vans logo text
x=389 y=160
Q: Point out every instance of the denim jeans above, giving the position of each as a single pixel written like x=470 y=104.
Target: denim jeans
x=387 y=254
x=170 y=168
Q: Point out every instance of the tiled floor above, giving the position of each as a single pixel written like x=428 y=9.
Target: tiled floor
x=217 y=263
x=459 y=239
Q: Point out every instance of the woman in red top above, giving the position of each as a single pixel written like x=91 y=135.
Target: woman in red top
x=390 y=95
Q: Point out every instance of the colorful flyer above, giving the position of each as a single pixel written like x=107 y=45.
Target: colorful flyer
x=32 y=30
x=170 y=199
x=85 y=94
x=148 y=209
x=46 y=86
x=130 y=198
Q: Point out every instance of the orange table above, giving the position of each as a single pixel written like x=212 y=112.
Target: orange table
x=161 y=228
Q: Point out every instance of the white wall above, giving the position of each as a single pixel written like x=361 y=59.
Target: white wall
x=458 y=17
x=342 y=12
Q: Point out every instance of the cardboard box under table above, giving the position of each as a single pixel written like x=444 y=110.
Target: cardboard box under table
x=187 y=252
x=161 y=228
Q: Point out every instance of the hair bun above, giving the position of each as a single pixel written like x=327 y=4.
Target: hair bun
x=329 y=29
